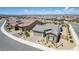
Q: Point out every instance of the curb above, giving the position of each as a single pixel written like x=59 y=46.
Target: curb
x=75 y=37
x=38 y=46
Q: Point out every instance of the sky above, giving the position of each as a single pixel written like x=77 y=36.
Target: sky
x=39 y=10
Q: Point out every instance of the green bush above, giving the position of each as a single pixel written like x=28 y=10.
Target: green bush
x=69 y=33
x=67 y=39
x=49 y=46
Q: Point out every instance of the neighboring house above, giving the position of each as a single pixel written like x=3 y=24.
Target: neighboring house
x=23 y=23
x=13 y=22
x=28 y=24
x=50 y=31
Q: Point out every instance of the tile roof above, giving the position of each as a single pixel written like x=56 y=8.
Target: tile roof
x=54 y=28
x=26 y=22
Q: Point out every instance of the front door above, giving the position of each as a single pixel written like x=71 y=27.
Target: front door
x=51 y=38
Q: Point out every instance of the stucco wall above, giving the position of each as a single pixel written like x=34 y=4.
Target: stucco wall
x=38 y=34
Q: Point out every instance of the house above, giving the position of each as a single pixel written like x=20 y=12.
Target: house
x=51 y=31
x=13 y=22
x=28 y=24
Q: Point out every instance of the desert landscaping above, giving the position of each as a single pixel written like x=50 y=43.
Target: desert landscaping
x=65 y=42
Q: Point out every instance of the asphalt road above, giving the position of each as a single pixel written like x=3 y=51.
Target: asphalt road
x=8 y=44
x=76 y=28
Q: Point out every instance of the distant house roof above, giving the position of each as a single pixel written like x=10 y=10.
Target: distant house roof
x=26 y=22
x=41 y=28
x=21 y=22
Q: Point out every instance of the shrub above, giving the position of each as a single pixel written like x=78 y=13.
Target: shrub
x=69 y=33
x=67 y=39
x=70 y=36
x=71 y=41
x=44 y=43
x=38 y=41
x=28 y=30
x=26 y=34
x=49 y=46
